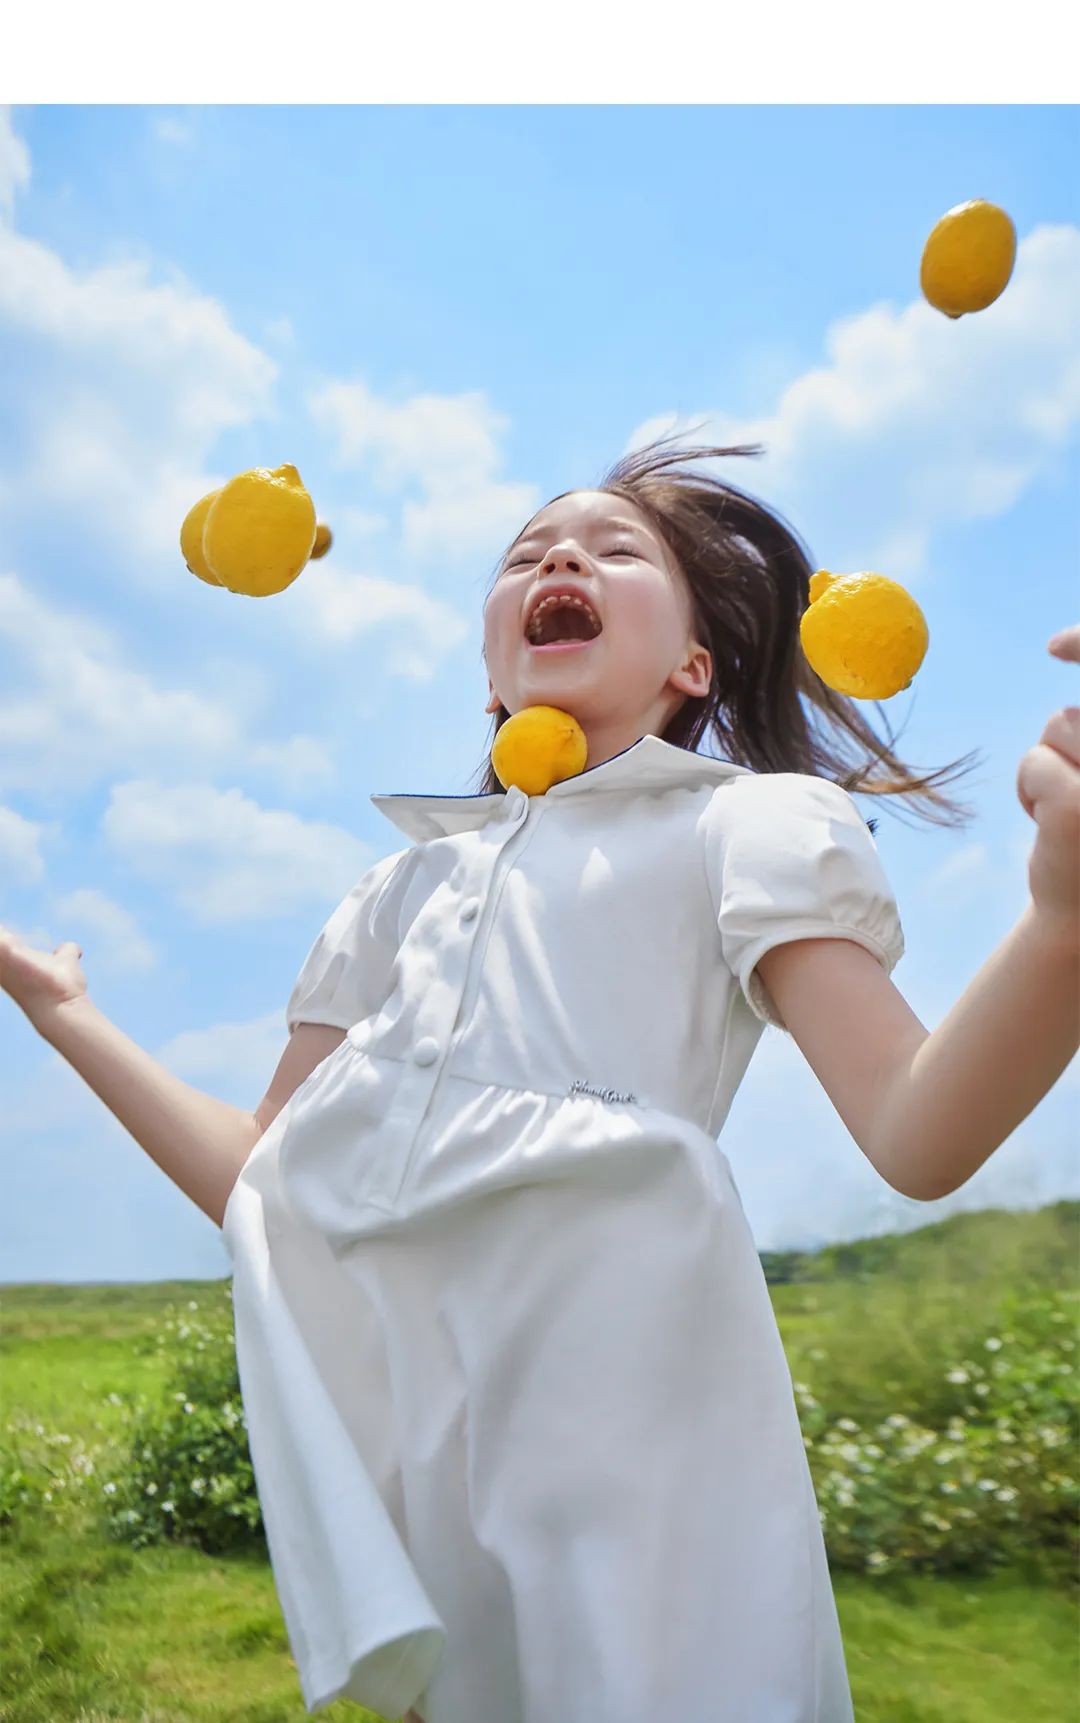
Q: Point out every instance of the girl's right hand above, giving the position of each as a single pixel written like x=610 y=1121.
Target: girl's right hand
x=40 y=980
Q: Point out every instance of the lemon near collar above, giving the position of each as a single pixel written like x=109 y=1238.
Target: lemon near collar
x=863 y=634
x=968 y=258
x=537 y=747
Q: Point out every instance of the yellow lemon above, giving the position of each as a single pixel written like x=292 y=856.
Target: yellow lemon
x=191 y=544
x=260 y=531
x=968 y=259
x=324 y=538
x=863 y=634
x=538 y=747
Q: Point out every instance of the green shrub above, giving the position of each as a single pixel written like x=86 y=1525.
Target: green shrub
x=184 y=1471
x=41 y=1468
x=977 y=1471
x=941 y=1435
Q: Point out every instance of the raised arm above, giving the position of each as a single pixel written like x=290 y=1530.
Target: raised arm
x=199 y=1142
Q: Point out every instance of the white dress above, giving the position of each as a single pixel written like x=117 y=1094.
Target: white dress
x=522 y=1425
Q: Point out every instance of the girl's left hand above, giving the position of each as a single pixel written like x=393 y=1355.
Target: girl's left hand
x=1048 y=784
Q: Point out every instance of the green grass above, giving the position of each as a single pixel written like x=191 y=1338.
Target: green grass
x=93 y=1631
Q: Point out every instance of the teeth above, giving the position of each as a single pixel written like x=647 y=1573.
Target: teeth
x=558 y=598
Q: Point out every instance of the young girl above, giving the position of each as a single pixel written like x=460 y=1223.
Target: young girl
x=522 y=1424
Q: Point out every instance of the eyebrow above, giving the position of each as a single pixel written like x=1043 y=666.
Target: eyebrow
x=610 y=525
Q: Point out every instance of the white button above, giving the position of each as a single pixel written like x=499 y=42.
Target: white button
x=426 y=1050
x=469 y=908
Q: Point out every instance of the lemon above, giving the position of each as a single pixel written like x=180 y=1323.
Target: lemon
x=324 y=538
x=968 y=259
x=538 y=747
x=259 y=531
x=863 y=634
x=191 y=544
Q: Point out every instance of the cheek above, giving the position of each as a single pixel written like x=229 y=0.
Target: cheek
x=500 y=621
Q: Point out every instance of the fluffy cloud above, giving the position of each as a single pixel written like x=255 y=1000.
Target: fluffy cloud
x=222 y=857
x=916 y=423
x=124 y=385
x=14 y=163
x=445 y=446
x=21 y=856
x=73 y=710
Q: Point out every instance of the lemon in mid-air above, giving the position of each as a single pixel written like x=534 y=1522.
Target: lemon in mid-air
x=538 y=747
x=191 y=535
x=259 y=531
x=324 y=538
x=968 y=258
x=863 y=634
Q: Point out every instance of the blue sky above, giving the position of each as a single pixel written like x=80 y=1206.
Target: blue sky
x=444 y=316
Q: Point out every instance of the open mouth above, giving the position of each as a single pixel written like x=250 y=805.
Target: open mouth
x=561 y=621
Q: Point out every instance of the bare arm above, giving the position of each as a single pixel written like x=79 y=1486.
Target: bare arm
x=1005 y=1042
x=201 y=1143
x=928 y=1109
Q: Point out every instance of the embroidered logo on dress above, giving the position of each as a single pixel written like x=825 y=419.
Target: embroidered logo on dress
x=580 y=1087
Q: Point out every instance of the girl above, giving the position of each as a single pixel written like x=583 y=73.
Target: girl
x=522 y=1424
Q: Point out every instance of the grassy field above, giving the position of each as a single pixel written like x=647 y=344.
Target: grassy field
x=94 y=1631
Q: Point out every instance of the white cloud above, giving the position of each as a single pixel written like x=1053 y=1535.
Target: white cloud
x=916 y=422
x=344 y=606
x=109 y=934
x=447 y=446
x=222 y=857
x=72 y=710
x=14 y=163
x=124 y=385
x=20 y=848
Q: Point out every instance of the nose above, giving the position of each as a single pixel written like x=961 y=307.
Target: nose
x=561 y=560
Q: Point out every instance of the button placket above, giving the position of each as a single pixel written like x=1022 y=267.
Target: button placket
x=455 y=970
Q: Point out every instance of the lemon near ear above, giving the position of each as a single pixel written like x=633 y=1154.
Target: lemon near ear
x=191 y=534
x=968 y=258
x=863 y=634
x=537 y=747
x=259 y=531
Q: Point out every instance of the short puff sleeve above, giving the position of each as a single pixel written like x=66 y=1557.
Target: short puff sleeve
x=791 y=857
x=346 y=975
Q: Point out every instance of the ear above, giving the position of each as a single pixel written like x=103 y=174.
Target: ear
x=493 y=699
x=694 y=675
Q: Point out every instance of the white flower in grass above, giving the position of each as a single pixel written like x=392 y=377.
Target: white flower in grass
x=188 y=1407
x=846 y=1424
x=110 y=1489
x=1006 y=1495
x=169 y=1507
x=876 y=1559
x=993 y=1344
x=987 y=1484
x=957 y=1376
x=151 y=1489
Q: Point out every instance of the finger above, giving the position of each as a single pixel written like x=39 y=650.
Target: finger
x=1066 y=644
x=1045 y=774
x=1062 y=732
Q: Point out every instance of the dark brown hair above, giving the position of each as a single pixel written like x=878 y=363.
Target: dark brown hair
x=748 y=577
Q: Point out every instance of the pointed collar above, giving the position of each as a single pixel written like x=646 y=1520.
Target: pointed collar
x=648 y=764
